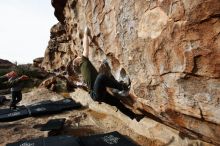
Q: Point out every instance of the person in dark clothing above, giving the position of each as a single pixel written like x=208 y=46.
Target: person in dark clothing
x=16 y=84
x=97 y=82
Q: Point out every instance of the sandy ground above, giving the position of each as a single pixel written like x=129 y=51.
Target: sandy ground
x=80 y=122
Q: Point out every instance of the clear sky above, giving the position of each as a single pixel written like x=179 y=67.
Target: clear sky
x=25 y=29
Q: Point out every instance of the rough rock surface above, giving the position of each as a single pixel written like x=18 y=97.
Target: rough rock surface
x=169 y=48
x=48 y=83
x=58 y=83
x=38 y=61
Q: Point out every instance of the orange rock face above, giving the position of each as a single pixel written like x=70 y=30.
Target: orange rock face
x=170 y=49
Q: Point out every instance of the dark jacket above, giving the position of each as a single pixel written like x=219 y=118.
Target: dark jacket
x=6 y=83
x=16 y=84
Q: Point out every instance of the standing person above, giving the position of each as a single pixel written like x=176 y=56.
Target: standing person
x=16 y=84
x=97 y=82
x=16 y=88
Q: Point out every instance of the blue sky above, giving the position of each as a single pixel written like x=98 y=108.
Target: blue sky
x=25 y=29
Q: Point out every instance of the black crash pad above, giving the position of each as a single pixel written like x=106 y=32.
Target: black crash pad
x=67 y=103
x=108 y=139
x=51 y=107
x=7 y=115
x=38 y=109
x=53 y=124
x=49 y=141
x=44 y=109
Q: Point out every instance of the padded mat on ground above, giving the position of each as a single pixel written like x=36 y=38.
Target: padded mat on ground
x=7 y=115
x=53 y=107
x=68 y=103
x=44 y=109
x=49 y=141
x=108 y=139
x=38 y=109
x=53 y=124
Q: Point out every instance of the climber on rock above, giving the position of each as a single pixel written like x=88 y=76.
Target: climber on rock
x=98 y=81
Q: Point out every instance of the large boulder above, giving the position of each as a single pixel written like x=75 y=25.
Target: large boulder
x=49 y=83
x=58 y=83
x=170 y=49
x=38 y=61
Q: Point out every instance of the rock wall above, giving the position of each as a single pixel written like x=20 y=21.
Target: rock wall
x=169 y=48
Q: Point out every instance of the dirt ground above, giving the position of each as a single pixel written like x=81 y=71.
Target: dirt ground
x=80 y=122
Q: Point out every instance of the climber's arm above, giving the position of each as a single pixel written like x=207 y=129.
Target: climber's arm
x=86 y=43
